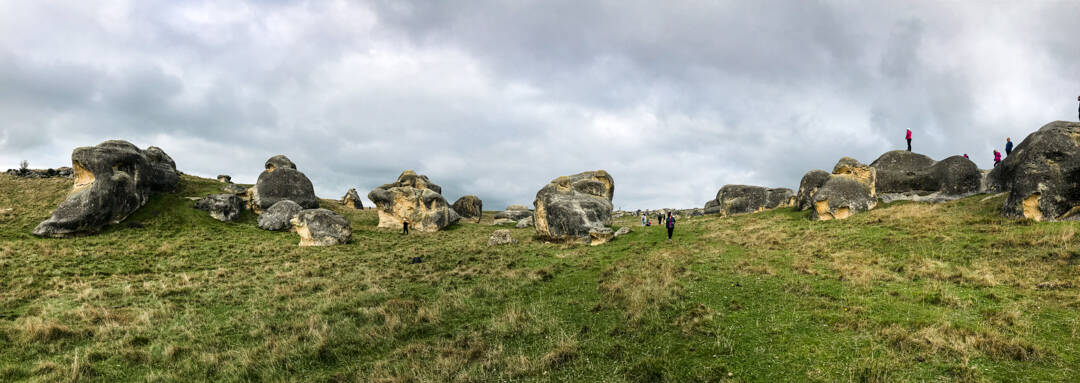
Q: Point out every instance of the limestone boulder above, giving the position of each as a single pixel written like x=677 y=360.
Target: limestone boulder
x=413 y=197
x=112 y=180
x=352 y=199
x=903 y=175
x=222 y=207
x=742 y=199
x=232 y=188
x=864 y=174
x=573 y=208
x=321 y=227
x=281 y=181
x=524 y=222
x=840 y=197
x=622 y=231
x=513 y=213
x=601 y=236
x=501 y=237
x=469 y=207
x=224 y=178
x=809 y=185
x=1042 y=175
x=279 y=216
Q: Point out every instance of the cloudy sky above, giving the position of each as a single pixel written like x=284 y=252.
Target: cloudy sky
x=496 y=98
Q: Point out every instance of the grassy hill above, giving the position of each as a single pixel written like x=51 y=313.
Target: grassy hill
x=907 y=292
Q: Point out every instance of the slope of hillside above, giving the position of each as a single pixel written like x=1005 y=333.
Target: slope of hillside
x=904 y=292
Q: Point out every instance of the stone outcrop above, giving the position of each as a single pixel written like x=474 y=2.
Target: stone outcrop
x=232 y=188
x=903 y=175
x=352 y=199
x=413 y=197
x=63 y=171
x=224 y=178
x=840 y=197
x=809 y=185
x=513 y=213
x=281 y=181
x=742 y=199
x=222 y=207
x=1042 y=175
x=112 y=180
x=501 y=237
x=575 y=208
x=278 y=216
x=862 y=173
x=524 y=222
x=469 y=207
x=622 y=231
x=321 y=227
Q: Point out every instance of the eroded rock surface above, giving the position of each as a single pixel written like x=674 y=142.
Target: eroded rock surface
x=501 y=237
x=321 y=227
x=903 y=175
x=222 y=207
x=524 y=222
x=279 y=216
x=1042 y=175
x=742 y=199
x=112 y=180
x=575 y=208
x=469 y=207
x=809 y=185
x=513 y=213
x=281 y=181
x=352 y=199
x=413 y=197
x=840 y=197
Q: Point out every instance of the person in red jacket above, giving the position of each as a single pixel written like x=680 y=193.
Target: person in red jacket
x=909 y=140
x=997 y=157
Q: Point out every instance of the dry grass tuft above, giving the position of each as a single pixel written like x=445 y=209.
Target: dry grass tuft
x=958 y=342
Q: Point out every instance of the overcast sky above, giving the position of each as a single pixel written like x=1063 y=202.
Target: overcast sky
x=496 y=98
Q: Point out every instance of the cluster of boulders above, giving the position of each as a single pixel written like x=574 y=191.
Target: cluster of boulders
x=513 y=213
x=742 y=199
x=415 y=199
x=576 y=209
x=63 y=171
x=1042 y=175
x=849 y=189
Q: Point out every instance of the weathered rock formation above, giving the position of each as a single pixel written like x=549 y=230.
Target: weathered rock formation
x=903 y=175
x=575 y=208
x=281 y=181
x=513 y=213
x=413 y=197
x=63 y=171
x=1042 y=175
x=742 y=199
x=321 y=227
x=864 y=174
x=112 y=180
x=622 y=231
x=352 y=199
x=278 y=216
x=232 y=188
x=501 y=237
x=224 y=178
x=524 y=222
x=841 y=196
x=809 y=185
x=469 y=207
x=222 y=207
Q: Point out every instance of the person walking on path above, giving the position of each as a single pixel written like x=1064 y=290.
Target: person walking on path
x=404 y=226
x=1008 y=146
x=670 y=226
x=908 y=140
x=997 y=157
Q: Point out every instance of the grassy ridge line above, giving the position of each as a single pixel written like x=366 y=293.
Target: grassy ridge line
x=904 y=292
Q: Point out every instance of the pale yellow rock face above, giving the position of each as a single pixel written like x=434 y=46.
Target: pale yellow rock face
x=1031 y=207
x=564 y=185
x=866 y=175
x=408 y=203
x=83 y=177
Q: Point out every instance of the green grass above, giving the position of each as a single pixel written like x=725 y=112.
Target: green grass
x=907 y=292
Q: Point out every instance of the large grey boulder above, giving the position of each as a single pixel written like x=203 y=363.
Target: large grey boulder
x=278 y=216
x=742 y=199
x=1042 y=175
x=352 y=199
x=222 y=207
x=321 y=227
x=415 y=198
x=524 y=222
x=232 y=188
x=112 y=180
x=903 y=175
x=575 y=208
x=224 y=178
x=809 y=185
x=864 y=174
x=840 y=197
x=513 y=213
x=501 y=237
x=281 y=181
x=469 y=206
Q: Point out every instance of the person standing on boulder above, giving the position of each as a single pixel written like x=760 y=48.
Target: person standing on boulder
x=1008 y=146
x=908 y=140
x=997 y=157
x=965 y=156
x=670 y=224
x=1078 y=108
x=404 y=226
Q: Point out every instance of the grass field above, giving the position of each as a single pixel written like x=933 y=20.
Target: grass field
x=907 y=292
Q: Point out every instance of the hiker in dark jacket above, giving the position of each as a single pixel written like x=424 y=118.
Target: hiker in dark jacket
x=1008 y=146
x=670 y=226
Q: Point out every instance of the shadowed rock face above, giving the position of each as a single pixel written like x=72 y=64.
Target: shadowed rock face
x=742 y=199
x=321 y=227
x=1042 y=175
x=223 y=207
x=415 y=198
x=914 y=175
x=575 y=208
x=469 y=206
x=112 y=180
x=352 y=199
x=281 y=181
x=278 y=216
x=809 y=185
x=841 y=196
